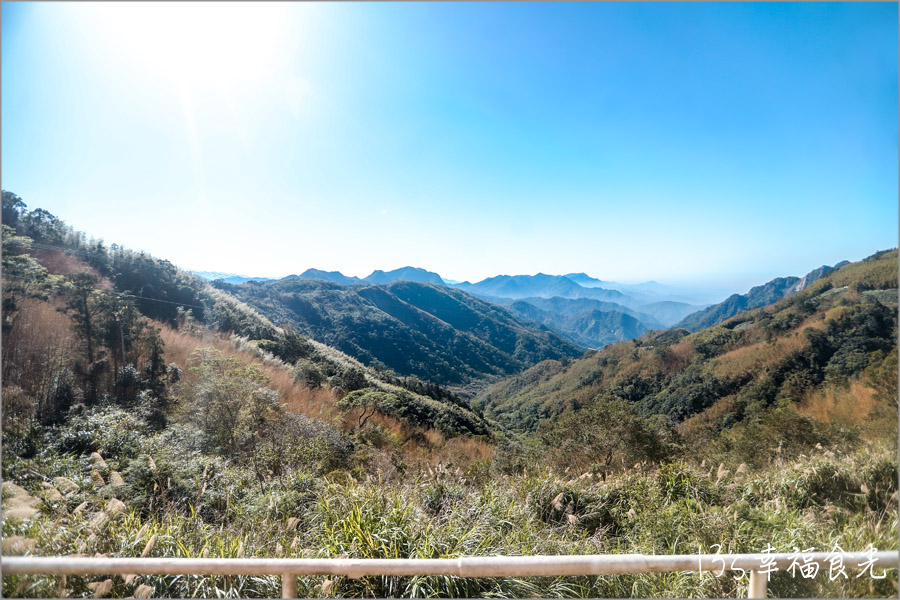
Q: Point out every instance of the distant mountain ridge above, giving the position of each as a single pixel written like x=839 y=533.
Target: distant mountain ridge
x=413 y=274
x=432 y=331
x=227 y=277
x=761 y=295
x=588 y=315
x=332 y=276
x=541 y=286
x=844 y=320
x=592 y=328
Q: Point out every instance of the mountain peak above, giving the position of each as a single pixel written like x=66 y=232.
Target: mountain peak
x=414 y=274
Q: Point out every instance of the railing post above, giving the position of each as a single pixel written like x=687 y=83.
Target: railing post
x=758 y=582
x=288 y=585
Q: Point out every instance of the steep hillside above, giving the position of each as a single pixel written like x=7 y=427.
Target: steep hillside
x=118 y=301
x=590 y=328
x=827 y=334
x=433 y=332
x=761 y=295
x=578 y=306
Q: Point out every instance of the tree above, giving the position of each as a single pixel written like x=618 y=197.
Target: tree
x=608 y=434
x=13 y=207
x=42 y=226
x=226 y=400
x=83 y=306
x=368 y=400
x=352 y=379
x=23 y=276
x=882 y=376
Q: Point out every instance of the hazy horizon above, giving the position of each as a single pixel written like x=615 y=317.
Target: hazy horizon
x=691 y=144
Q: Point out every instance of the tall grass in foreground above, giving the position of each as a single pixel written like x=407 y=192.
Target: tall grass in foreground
x=206 y=506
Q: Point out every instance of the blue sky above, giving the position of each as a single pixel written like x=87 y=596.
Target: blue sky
x=719 y=144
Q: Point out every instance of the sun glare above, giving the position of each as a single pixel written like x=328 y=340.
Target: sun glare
x=199 y=44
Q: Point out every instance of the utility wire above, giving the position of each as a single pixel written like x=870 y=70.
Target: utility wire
x=124 y=295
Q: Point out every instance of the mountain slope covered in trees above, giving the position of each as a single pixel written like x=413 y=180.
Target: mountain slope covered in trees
x=591 y=328
x=433 y=332
x=831 y=331
x=761 y=295
x=117 y=300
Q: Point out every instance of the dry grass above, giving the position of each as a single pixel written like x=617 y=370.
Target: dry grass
x=315 y=403
x=458 y=452
x=319 y=403
x=683 y=353
x=840 y=405
x=38 y=348
x=755 y=357
x=742 y=360
x=708 y=419
x=62 y=263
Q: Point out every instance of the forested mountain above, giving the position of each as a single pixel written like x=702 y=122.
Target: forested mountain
x=117 y=300
x=332 y=276
x=377 y=276
x=760 y=295
x=543 y=286
x=567 y=307
x=645 y=306
x=591 y=323
x=595 y=323
x=833 y=330
x=404 y=274
x=576 y=306
x=431 y=331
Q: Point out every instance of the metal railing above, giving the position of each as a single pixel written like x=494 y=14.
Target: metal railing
x=758 y=565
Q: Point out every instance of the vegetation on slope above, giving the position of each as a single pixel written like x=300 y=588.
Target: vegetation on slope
x=117 y=300
x=761 y=295
x=433 y=332
x=825 y=335
x=126 y=435
x=181 y=499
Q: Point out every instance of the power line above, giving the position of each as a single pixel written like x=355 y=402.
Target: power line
x=125 y=295
x=121 y=294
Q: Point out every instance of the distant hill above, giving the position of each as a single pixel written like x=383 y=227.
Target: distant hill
x=227 y=277
x=378 y=276
x=649 y=302
x=647 y=292
x=585 y=280
x=435 y=332
x=576 y=306
x=541 y=286
x=761 y=295
x=405 y=274
x=332 y=276
x=823 y=335
x=591 y=328
x=591 y=323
